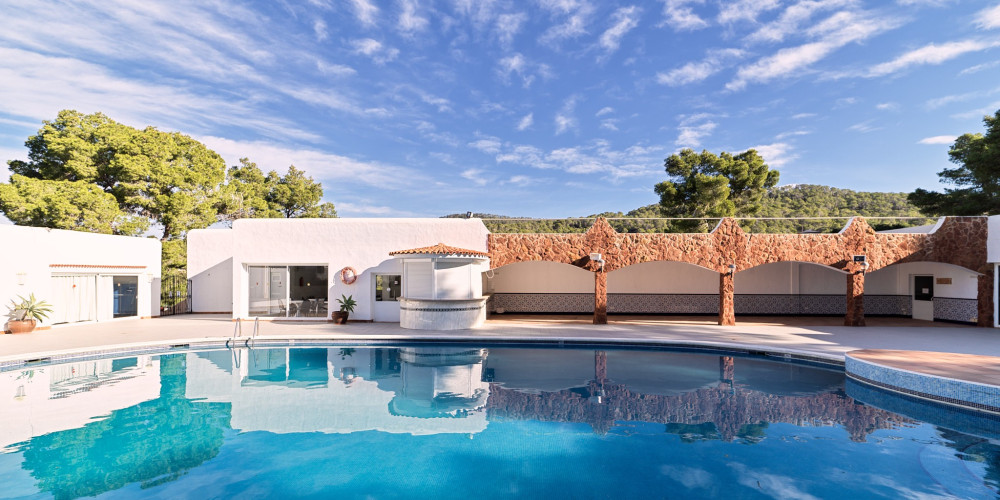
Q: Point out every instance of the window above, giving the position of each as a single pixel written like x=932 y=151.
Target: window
x=287 y=291
x=126 y=296
x=387 y=287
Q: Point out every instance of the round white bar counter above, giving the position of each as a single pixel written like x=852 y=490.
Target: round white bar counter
x=442 y=314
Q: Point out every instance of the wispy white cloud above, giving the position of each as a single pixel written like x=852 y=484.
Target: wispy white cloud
x=833 y=33
x=517 y=64
x=410 y=21
x=694 y=128
x=522 y=180
x=475 y=175
x=939 y=139
x=988 y=18
x=791 y=133
x=321 y=165
x=744 y=10
x=930 y=54
x=365 y=11
x=887 y=106
x=37 y=87
x=610 y=124
x=487 y=144
x=607 y=110
x=979 y=67
x=792 y=19
x=777 y=154
x=574 y=26
x=334 y=69
x=623 y=20
x=967 y=96
x=864 y=127
x=319 y=29
x=693 y=72
x=802 y=116
x=679 y=15
x=597 y=157
x=565 y=118
x=526 y=122
x=508 y=26
x=365 y=208
x=374 y=49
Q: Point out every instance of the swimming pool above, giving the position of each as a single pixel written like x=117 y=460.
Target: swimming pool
x=461 y=421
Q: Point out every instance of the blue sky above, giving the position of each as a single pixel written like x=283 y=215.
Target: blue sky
x=547 y=108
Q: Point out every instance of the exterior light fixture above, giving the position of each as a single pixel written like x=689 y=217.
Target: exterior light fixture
x=862 y=261
x=468 y=215
x=732 y=269
x=597 y=259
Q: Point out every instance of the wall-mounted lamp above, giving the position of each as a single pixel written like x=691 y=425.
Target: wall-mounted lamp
x=732 y=269
x=862 y=261
x=597 y=259
x=468 y=215
x=21 y=277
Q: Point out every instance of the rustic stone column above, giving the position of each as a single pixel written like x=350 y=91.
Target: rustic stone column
x=600 y=366
x=985 y=299
x=727 y=312
x=600 y=298
x=855 y=300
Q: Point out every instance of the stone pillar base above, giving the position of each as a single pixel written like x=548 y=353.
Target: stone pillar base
x=855 y=300
x=727 y=311
x=600 y=298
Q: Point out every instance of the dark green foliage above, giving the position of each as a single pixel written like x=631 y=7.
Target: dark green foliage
x=798 y=201
x=706 y=185
x=977 y=179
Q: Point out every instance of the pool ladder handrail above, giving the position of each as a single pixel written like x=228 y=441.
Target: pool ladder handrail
x=253 y=336
x=238 y=332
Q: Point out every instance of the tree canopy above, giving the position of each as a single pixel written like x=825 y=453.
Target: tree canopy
x=251 y=193
x=91 y=173
x=708 y=185
x=977 y=178
x=166 y=177
x=74 y=205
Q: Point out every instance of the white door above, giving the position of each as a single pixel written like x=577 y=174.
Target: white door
x=922 y=292
x=74 y=298
x=386 y=289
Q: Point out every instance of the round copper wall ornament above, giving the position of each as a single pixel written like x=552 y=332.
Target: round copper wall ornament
x=348 y=275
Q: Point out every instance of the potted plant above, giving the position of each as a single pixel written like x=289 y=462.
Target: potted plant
x=347 y=304
x=24 y=315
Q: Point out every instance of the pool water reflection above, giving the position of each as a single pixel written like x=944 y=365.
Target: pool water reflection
x=449 y=422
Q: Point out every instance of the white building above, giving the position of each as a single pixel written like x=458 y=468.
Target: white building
x=84 y=276
x=298 y=268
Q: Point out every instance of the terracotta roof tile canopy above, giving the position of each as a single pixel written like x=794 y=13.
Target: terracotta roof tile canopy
x=441 y=248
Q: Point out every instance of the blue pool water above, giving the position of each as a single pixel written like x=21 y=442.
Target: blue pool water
x=461 y=422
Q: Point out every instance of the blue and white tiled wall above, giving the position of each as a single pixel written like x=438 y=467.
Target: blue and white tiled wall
x=963 y=310
x=945 y=390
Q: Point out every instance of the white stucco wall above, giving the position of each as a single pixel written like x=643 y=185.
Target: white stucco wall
x=790 y=278
x=26 y=254
x=540 y=277
x=210 y=269
x=667 y=277
x=663 y=277
x=993 y=239
x=896 y=280
x=363 y=244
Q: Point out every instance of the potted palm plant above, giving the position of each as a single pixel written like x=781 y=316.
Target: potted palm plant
x=347 y=304
x=24 y=315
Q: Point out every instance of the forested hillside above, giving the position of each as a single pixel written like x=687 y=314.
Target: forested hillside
x=802 y=200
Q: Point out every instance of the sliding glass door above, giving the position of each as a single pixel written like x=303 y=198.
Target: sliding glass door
x=288 y=291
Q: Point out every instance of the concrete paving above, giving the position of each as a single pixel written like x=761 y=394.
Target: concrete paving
x=826 y=342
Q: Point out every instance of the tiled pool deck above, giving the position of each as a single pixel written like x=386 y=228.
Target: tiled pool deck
x=802 y=337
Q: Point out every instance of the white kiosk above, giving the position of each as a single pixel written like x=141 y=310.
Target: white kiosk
x=442 y=288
